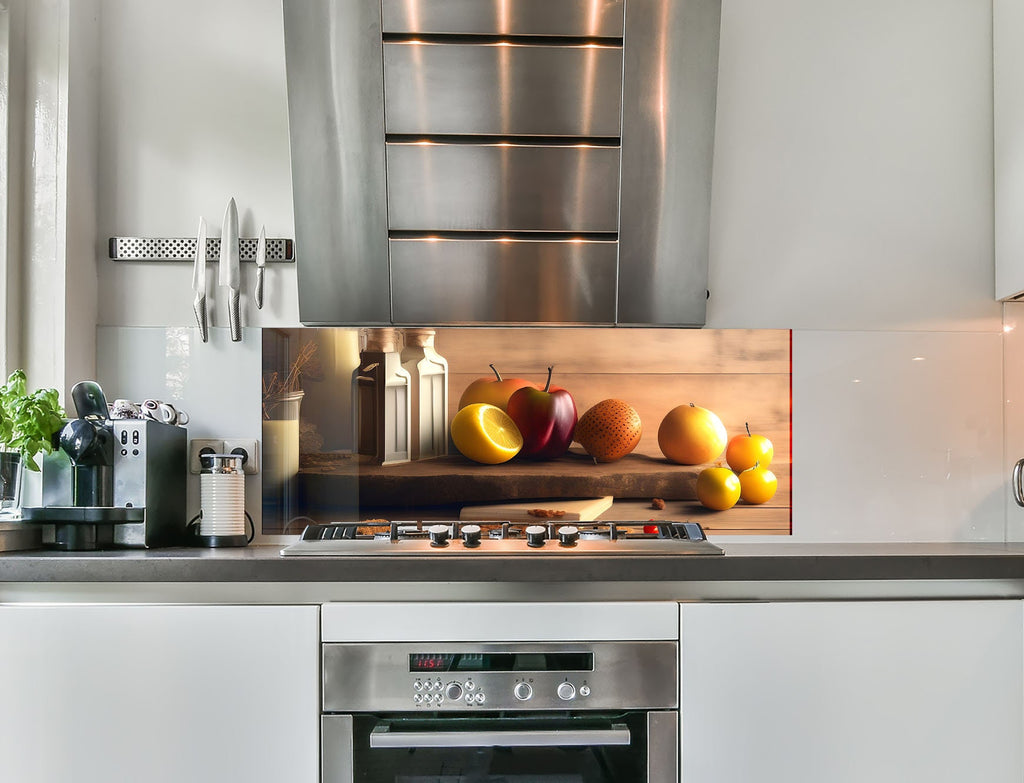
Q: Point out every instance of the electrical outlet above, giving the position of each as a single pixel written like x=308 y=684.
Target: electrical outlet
x=199 y=446
x=249 y=448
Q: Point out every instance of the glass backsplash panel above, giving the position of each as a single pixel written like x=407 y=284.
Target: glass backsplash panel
x=356 y=423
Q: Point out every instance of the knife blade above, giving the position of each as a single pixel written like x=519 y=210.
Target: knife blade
x=199 y=282
x=261 y=262
x=229 y=272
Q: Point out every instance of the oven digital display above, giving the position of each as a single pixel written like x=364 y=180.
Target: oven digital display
x=502 y=662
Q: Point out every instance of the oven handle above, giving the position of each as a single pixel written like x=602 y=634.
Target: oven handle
x=383 y=737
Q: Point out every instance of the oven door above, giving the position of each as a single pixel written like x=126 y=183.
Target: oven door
x=630 y=747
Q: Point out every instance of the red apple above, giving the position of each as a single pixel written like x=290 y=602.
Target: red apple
x=493 y=391
x=545 y=417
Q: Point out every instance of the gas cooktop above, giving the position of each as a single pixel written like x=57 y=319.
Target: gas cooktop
x=502 y=538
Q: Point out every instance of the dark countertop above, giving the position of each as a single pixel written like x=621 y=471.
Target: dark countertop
x=741 y=563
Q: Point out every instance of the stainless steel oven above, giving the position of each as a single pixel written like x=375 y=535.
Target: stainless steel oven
x=515 y=712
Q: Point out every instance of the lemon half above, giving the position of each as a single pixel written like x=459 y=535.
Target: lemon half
x=485 y=433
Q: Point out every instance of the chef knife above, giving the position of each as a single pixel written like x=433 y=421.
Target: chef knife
x=199 y=281
x=229 y=274
x=261 y=261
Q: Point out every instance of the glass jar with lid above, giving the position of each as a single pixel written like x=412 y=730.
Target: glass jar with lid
x=381 y=399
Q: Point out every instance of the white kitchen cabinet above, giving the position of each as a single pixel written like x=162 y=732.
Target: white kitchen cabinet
x=850 y=692
x=161 y=694
x=1008 y=134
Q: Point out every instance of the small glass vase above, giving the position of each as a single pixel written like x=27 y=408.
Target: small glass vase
x=11 y=469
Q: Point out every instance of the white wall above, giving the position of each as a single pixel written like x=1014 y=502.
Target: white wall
x=193 y=112
x=852 y=203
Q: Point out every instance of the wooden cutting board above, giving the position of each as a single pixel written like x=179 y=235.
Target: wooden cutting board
x=586 y=509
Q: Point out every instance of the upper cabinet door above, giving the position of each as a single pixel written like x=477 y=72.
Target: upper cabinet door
x=1008 y=121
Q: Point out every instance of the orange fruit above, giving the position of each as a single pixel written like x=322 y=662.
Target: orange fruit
x=485 y=433
x=609 y=430
x=691 y=435
x=746 y=451
x=718 y=488
x=758 y=485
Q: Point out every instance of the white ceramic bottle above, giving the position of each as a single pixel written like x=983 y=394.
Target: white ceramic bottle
x=429 y=373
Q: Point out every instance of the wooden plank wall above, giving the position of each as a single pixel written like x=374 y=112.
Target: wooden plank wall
x=742 y=375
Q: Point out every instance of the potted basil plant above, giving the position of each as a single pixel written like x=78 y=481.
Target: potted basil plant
x=28 y=423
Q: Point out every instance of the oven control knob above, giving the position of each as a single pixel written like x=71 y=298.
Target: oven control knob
x=536 y=535
x=584 y=690
x=438 y=535
x=522 y=691
x=471 y=535
x=566 y=691
x=453 y=691
x=568 y=534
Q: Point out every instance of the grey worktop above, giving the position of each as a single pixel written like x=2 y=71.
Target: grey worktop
x=742 y=562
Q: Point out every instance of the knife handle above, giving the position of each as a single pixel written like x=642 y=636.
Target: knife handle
x=234 y=317
x=258 y=293
x=199 y=306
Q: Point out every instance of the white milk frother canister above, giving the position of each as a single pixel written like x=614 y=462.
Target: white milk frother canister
x=222 y=498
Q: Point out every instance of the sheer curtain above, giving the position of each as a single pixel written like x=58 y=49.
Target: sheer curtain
x=48 y=143
x=5 y=187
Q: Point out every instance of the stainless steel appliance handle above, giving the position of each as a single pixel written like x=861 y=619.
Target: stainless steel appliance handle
x=336 y=749
x=1018 y=489
x=663 y=747
x=383 y=737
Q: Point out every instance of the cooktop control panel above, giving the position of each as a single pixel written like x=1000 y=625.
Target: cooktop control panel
x=514 y=676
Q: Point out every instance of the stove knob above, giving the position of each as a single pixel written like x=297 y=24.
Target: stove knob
x=471 y=535
x=453 y=692
x=522 y=691
x=536 y=535
x=568 y=534
x=438 y=535
x=566 y=691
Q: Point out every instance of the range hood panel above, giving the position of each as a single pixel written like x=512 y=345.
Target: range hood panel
x=596 y=18
x=502 y=188
x=580 y=132
x=495 y=89
x=503 y=281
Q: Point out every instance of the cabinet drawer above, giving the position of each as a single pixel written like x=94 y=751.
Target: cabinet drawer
x=502 y=187
x=499 y=17
x=502 y=89
x=450 y=281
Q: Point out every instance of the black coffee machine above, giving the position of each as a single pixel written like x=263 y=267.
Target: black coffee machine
x=118 y=482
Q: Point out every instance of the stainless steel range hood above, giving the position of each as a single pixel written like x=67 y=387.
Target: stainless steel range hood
x=462 y=162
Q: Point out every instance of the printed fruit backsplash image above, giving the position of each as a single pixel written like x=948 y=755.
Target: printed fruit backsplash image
x=438 y=423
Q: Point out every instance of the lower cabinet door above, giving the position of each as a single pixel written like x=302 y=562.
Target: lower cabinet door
x=161 y=694
x=852 y=692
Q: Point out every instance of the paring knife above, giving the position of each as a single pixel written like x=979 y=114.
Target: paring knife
x=229 y=274
x=199 y=281
x=261 y=262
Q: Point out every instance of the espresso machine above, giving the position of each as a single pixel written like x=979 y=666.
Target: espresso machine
x=112 y=483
